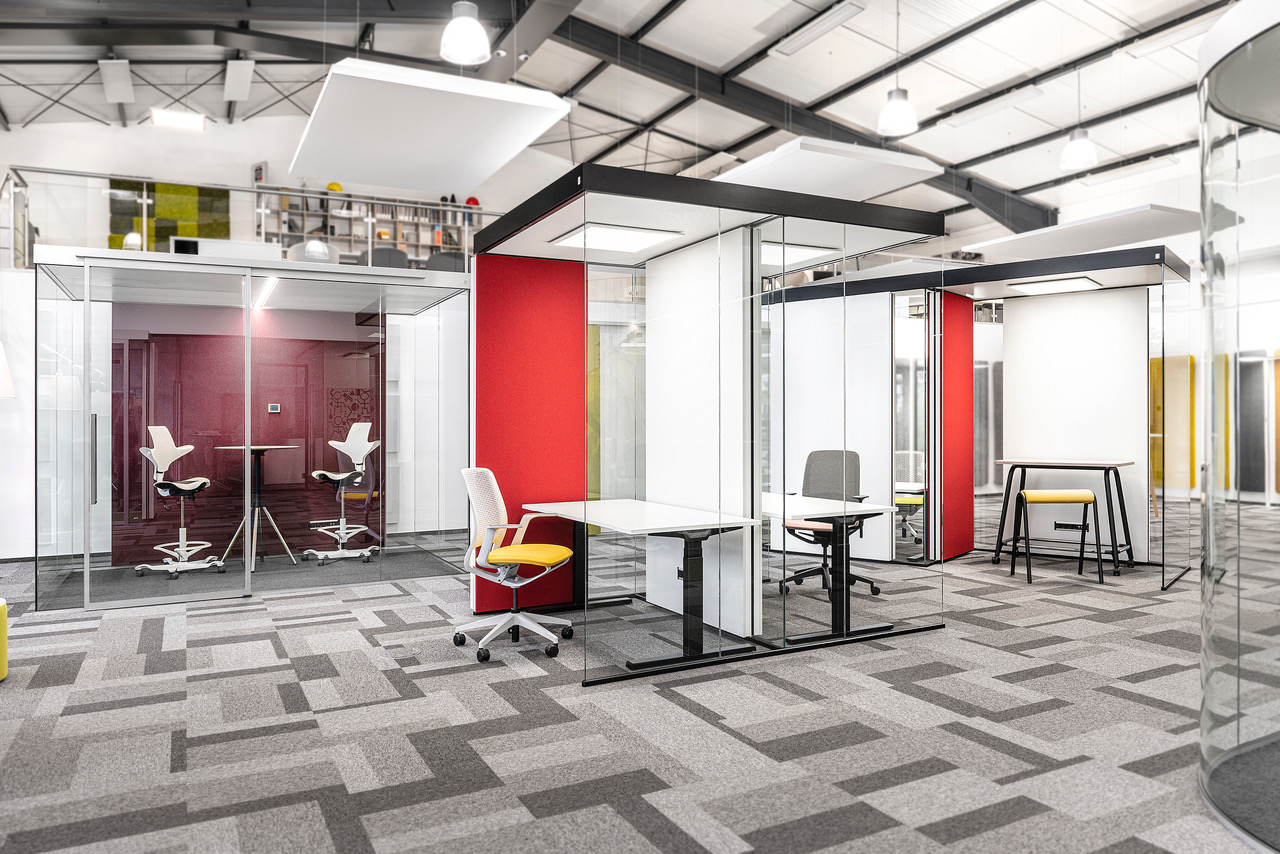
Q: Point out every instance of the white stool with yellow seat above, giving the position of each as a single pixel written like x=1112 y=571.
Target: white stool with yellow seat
x=1022 y=523
x=489 y=559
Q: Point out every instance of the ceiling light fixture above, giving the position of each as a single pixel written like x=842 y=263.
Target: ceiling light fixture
x=897 y=117
x=117 y=80
x=181 y=119
x=1177 y=35
x=1057 y=286
x=1019 y=96
x=816 y=29
x=1079 y=153
x=615 y=238
x=785 y=255
x=464 y=41
x=267 y=287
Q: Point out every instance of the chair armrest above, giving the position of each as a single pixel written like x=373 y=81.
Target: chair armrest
x=490 y=533
x=524 y=523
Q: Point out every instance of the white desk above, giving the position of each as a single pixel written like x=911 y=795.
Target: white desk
x=908 y=487
x=845 y=517
x=648 y=518
x=1109 y=468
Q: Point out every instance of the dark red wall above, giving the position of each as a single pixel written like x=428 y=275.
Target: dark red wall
x=531 y=401
x=957 y=425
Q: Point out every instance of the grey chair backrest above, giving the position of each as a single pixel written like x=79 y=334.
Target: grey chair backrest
x=454 y=262
x=832 y=474
x=385 y=256
x=908 y=466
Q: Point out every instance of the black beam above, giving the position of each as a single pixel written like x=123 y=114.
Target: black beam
x=365 y=40
x=585 y=80
x=535 y=24
x=124 y=120
x=657 y=18
x=1094 y=121
x=497 y=12
x=1016 y=213
x=197 y=35
x=4 y=120
x=641 y=130
x=924 y=52
x=1077 y=63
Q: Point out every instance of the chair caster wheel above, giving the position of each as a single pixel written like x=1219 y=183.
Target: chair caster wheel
x=173 y=576
x=366 y=559
x=783 y=588
x=552 y=650
x=798 y=581
x=139 y=572
x=222 y=570
x=1115 y=572
x=919 y=541
x=566 y=632
x=875 y=591
x=459 y=639
x=996 y=559
x=320 y=562
x=482 y=655
x=306 y=557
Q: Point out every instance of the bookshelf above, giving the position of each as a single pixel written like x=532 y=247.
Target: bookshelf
x=354 y=223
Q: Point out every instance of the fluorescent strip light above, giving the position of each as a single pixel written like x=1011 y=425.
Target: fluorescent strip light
x=1057 y=286
x=181 y=119
x=772 y=254
x=235 y=85
x=615 y=238
x=267 y=287
x=1020 y=96
x=816 y=29
x=117 y=80
x=1177 y=35
x=1155 y=164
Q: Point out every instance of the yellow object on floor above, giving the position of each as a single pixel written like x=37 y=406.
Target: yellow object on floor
x=4 y=639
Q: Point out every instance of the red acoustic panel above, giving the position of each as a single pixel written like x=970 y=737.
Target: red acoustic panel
x=531 y=379
x=957 y=425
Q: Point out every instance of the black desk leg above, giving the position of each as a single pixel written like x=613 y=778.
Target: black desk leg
x=693 y=597
x=1124 y=515
x=1111 y=522
x=579 y=564
x=1004 y=512
x=839 y=577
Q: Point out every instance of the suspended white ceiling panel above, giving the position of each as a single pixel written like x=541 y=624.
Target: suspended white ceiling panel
x=404 y=127
x=822 y=167
x=1121 y=228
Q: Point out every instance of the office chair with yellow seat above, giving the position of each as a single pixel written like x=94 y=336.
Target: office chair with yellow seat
x=908 y=467
x=489 y=559
x=162 y=454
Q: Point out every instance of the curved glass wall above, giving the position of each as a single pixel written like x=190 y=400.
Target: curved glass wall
x=1240 y=150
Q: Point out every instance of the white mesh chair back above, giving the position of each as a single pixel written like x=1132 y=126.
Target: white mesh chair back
x=163 y=452
x=486 y=503
x=908 y=466
x=356 y=446
x=832 y=474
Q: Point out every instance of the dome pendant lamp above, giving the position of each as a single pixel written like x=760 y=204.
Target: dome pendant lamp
x=897 y=117
x=1080 y=153
x=464 y=41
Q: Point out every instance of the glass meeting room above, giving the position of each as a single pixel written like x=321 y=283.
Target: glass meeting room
x=749 y=381
x=211 y=428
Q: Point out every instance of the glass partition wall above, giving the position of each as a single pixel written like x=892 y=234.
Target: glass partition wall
x=206 y=430
x=1240 y=168
x=766 y=410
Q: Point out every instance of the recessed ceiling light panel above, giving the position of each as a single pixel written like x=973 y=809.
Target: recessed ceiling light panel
x=615 y=238
x=1057 y=286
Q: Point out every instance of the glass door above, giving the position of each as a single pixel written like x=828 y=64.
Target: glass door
x=167 y=472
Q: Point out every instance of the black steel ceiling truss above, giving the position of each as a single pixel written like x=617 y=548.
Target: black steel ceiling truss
x=643 y=129
x=287 y=97
x=279 y=91
x=54 y=101
x=174 y=99
x=1016 y=213
x=496 y=12
x=534 y=24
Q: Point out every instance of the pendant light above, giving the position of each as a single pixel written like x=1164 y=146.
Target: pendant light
x=464 y=41
x=898 y=117
x=1079 y=153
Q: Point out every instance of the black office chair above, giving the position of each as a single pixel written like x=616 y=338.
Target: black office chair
x=384 y=256
x=835 y=475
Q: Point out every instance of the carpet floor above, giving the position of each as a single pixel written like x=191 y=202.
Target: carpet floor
x=1057 y=717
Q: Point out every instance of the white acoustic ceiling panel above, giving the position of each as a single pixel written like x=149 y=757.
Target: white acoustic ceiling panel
x=403 y=127
x=1120 y=228
x=839 y=170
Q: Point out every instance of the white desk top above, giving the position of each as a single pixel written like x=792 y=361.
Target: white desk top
x=804 y=507
x=629 y=516
x=253 y=447
x=1091 y=464
x=908 y=487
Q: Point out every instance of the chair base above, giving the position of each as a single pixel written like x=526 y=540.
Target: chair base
x=500 y=624
x=179 y=557
x=339 y=554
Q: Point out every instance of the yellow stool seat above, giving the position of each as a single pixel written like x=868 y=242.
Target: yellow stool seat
x=905 y=500
x=1058 y=496
x=533 y=554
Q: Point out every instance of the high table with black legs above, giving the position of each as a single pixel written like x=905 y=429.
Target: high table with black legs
x=844 y=516
x=648 y=518
x=1110 y=469
x=258 y=452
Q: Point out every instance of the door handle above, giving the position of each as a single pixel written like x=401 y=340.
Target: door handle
x=93 y=458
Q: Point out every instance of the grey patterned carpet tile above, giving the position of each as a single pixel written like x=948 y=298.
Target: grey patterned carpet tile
x=1059 y=716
